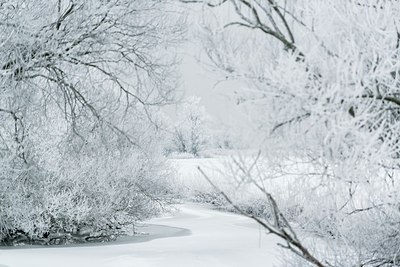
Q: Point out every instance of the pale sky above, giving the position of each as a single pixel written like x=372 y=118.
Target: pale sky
x=198 y=79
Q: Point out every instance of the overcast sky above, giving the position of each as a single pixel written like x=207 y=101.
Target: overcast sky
x=197 y=78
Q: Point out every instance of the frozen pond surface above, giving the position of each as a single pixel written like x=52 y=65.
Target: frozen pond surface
x=196 y=235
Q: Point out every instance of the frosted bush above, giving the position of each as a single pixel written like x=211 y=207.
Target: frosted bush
x=99 y=190
x=80 y=86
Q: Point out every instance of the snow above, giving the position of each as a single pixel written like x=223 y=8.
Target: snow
x=196 y=235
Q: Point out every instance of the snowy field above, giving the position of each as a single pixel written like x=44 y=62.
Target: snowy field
x=194 y=235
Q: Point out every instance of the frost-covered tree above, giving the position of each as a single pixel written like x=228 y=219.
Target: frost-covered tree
x=80 y=82
x=190 y=133
x=323 y=78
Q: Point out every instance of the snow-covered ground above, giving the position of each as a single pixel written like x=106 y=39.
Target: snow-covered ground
x=196 y=235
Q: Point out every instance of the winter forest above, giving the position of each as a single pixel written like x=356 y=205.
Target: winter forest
x=200 y=133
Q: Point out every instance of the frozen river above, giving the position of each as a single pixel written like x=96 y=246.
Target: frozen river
x=195 y=235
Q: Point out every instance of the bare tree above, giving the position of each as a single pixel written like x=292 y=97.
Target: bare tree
x=190 y=130
x=80 y=84
x=324 y=77
x=66 y=51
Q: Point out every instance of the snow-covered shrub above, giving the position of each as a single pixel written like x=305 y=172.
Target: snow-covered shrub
x=76 y=190
x=322 y=80
x=80 y=83
x=189 y=133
